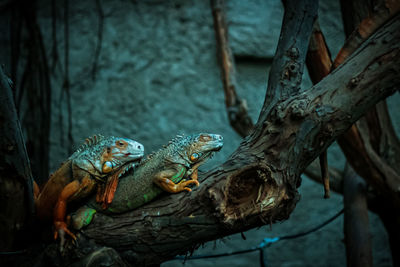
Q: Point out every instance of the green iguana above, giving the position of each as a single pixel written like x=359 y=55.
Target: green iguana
x=99 y=161
x=163 y=170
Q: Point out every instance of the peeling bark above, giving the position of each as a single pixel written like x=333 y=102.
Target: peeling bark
x=257 y=184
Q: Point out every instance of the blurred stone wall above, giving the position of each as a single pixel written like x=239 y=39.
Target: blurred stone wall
x=158 y=77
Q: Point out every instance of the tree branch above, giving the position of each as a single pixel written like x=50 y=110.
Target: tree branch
x=288 y=64
x=257 y=184
x=365 y=145
x=382 y=13
x=236 y=107
x=318 y=61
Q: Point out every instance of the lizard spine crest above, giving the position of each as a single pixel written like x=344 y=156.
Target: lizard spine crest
x=174 y=141
x=90 y=142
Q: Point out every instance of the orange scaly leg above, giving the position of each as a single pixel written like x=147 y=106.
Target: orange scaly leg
x=60 y=211
x=167 y=185
x=193 y=172
x=195 y=175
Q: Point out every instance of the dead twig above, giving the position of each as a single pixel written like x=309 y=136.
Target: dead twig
x=236 y=108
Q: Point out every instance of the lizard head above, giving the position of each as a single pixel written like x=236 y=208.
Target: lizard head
x=197 y=148
x=101 y=155
x=118 y=152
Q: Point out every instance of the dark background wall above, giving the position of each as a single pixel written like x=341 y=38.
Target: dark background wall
x=157 y=76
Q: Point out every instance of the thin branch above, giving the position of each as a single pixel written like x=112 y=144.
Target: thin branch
x=336 y=184
x=353 y=12
x=318 y=58
x=236 y=108
x=387 y=174
x=313 y=172
x=318 y=61
x=380 y=15
x=323 y=162
x=389 y=144
x=356 y=142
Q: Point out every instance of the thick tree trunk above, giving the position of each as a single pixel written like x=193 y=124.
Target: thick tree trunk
x=257 y=184
x=16 y=200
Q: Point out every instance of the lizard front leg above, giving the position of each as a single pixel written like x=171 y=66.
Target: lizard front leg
x=73 y=190
x=166 y=180
x=167 y=185
x=193 y=172
x=60 y=211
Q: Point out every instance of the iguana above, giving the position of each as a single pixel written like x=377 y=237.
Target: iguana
x=163 y=170
x=99 y=161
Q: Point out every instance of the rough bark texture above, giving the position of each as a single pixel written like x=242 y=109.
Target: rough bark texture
x=257 y=184
x=369 y=138
x=358 y=245
x=356 y=223
x=16 y=200
x=372 y=146
x=288 y=64
x=318 y=61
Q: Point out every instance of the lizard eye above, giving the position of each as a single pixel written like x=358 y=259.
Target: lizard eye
x=194 y=157
x=120 y=143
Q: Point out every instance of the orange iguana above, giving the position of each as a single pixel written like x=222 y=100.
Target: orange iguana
x=99 y=162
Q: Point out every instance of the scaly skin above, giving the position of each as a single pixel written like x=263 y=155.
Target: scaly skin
x=99 y=161
x=163 y=170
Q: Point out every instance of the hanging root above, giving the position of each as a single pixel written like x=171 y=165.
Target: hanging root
x=323 y=162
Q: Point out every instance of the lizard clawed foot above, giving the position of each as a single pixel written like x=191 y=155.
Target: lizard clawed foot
x=167 y=185
x=182 y=185
x=59 y=231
